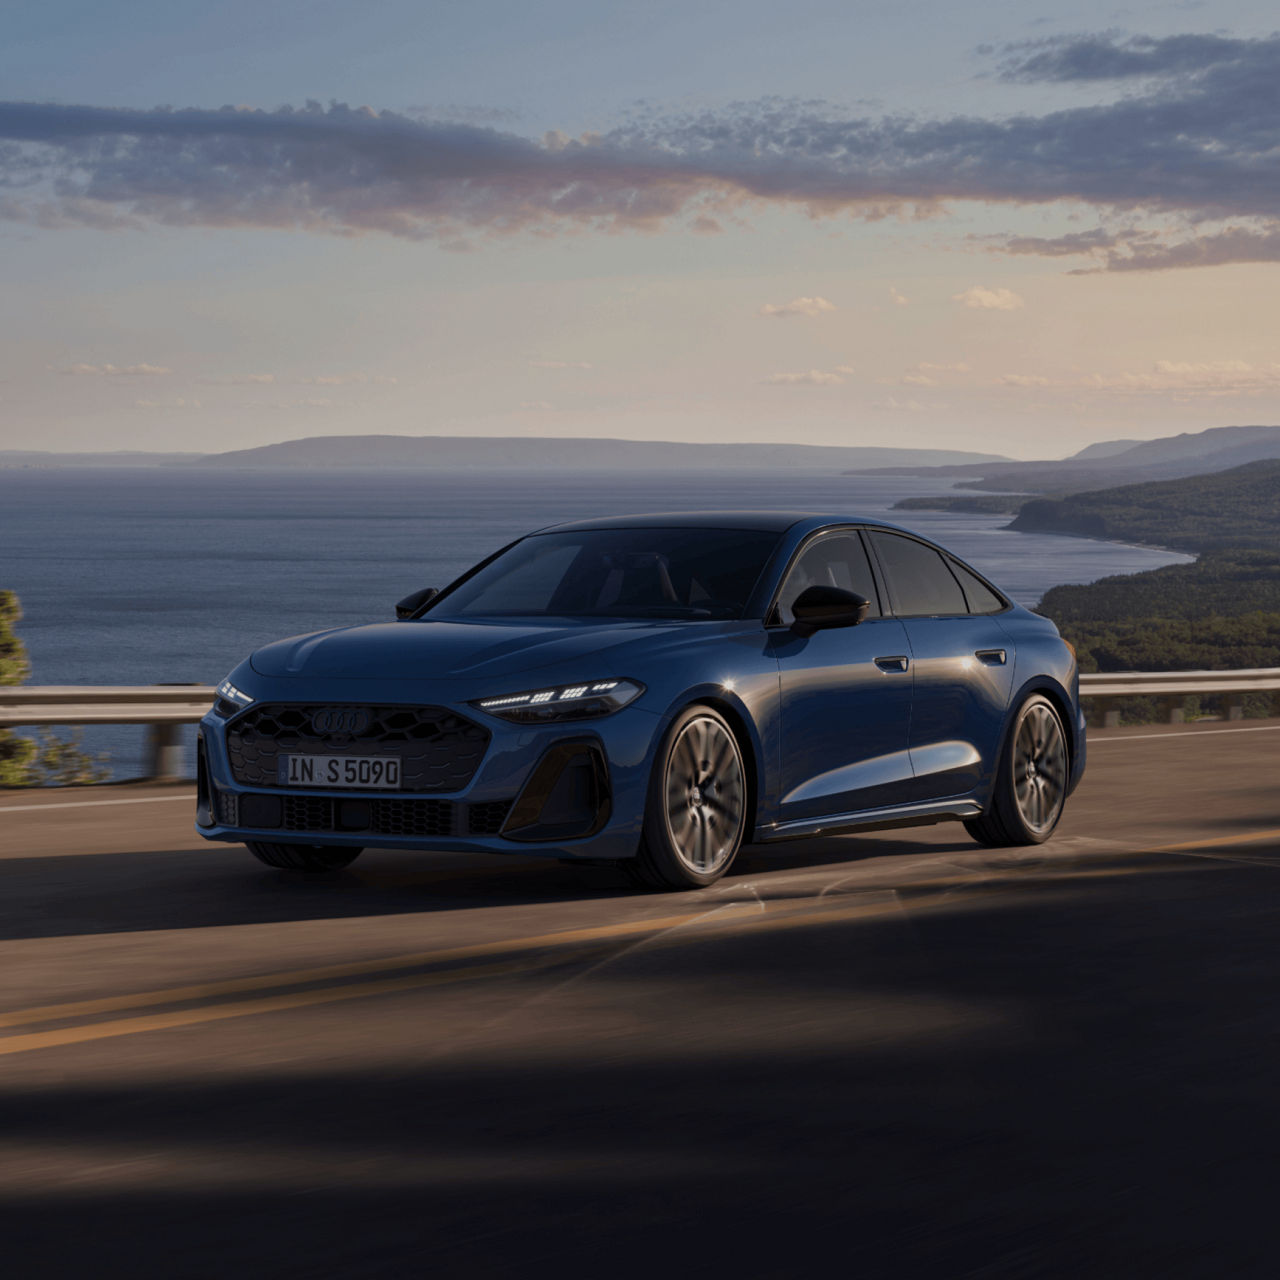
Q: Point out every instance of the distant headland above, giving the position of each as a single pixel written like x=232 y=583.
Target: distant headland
x=552 y=453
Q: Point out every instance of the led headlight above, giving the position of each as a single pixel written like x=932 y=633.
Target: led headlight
x=230 y=699
x=587 y=701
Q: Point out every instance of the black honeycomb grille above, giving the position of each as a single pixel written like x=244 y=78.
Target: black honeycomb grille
x=361 y=815
x=316 y=815
x=413 y=817
x=486 y=819
x=307 y=813
x=438 y=749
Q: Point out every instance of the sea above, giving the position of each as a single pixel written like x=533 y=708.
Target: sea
x=172 y=575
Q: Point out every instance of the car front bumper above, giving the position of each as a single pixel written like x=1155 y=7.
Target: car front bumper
x=574 y=789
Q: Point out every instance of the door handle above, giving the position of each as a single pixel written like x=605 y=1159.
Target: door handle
x=992 y=657
x=899 y=662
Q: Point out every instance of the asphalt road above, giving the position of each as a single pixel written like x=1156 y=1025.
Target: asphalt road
x=888 y=1055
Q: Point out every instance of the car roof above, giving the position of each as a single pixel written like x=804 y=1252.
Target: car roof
x=768 y=521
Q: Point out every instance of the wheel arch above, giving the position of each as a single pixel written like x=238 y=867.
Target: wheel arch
x=750 y=757
x=1062 y=704
x=744 y=731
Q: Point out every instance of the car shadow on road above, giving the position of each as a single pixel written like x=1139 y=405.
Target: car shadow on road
x=209 y=888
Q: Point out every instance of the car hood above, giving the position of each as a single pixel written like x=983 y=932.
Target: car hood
x=450 y=650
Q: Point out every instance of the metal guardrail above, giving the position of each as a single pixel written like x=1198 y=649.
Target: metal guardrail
x=164 y=708
x=1104 y=688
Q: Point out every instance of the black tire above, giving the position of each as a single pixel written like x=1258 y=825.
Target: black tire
x=697 y=806
x=303 y=857
x=1031 y=780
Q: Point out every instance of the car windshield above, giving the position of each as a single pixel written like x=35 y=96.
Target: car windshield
x=617 y=573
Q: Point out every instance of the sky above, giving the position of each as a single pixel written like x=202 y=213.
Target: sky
x=986 y=226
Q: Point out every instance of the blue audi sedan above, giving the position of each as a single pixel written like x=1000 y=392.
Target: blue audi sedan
x=656 y=690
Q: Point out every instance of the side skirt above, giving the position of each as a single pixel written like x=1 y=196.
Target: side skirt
x=900 y=815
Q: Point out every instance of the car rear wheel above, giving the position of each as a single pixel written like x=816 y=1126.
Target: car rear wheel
x=303 y=857
x=696 y=814
x=1031 y=780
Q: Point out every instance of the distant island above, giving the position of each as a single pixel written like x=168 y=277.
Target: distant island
x=522 y=453
x=560 y=453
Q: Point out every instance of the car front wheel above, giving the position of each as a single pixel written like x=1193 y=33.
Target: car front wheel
x=303 y=857
x=1031 y=780
x=696 y=814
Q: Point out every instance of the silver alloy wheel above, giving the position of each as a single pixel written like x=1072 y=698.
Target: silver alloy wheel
x=706 y=791
x=1039 y=767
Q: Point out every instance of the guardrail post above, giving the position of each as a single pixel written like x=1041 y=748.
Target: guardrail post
x=164 y=752
x=1173 y=708
x=1235 y=708
x=1108 y=711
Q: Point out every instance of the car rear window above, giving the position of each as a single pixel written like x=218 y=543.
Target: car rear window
x=920 y=582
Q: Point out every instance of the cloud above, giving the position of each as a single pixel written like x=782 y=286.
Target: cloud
x=346 y=379
x=1076 y=242
x=1186 y=152
x=927 y=373
x=1181 y=379
x=897 y=298
x=811 y=307
x=561 y=364
x=535 y=406
x=1108 y=57
x=306 y=403
x=1234 y=244
x=178 y=403
x=238 y=380
x=845 y=368
x=891 y=404
x=813 y=378
x=116 y=371
x=989 y=299
x=465 y=114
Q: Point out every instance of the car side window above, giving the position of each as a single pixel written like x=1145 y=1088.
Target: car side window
x=836 y=560
x=920 y=582
x=980 y=596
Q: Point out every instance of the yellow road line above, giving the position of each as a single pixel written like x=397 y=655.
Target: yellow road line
x=242 y=1008
x=298 y=977
x=324 y=995
x=1250 y=837
x=387 y=964
x=803 y=915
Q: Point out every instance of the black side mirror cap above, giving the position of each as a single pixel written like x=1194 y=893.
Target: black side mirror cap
x=820 y=608
x=409 y=606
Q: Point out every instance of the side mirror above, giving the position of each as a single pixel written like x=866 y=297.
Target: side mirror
x=410 y=605
x=822 y=608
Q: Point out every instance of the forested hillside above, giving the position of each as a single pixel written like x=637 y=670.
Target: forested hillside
x=1236 y=508
x=1223 y=611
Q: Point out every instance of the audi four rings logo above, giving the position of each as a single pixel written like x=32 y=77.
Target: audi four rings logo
x=330 y=720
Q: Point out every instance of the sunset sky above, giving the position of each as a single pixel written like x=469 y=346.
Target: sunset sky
x=964 y=225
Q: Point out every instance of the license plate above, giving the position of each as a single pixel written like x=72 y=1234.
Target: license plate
x=372 y=773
